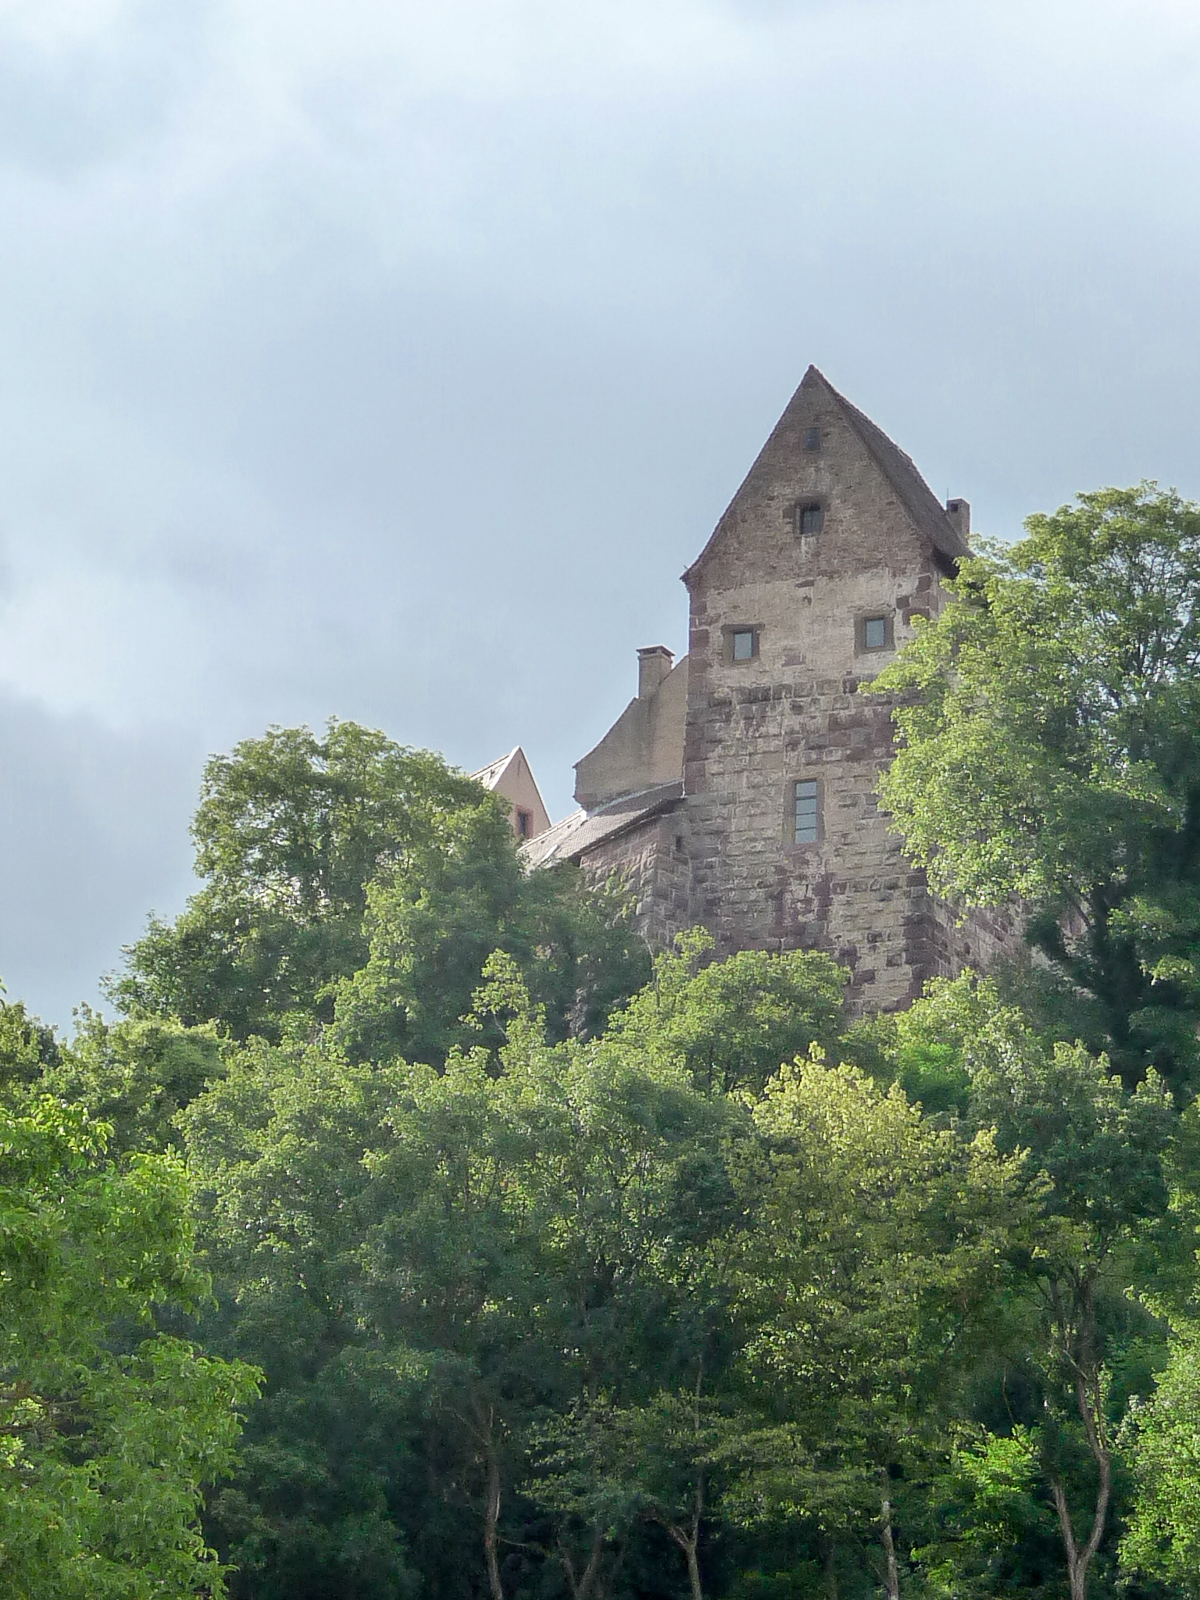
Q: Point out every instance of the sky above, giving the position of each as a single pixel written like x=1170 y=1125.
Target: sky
x=390 y=361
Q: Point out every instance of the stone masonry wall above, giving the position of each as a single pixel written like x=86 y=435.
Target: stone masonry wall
x=656 y=872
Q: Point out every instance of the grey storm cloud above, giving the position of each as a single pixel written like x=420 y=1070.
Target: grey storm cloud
x=391 y=360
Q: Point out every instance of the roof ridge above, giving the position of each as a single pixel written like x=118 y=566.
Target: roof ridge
x=497 y=766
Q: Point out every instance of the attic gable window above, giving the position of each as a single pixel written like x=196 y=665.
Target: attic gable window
x=812 y=438
x=810 y=519
x=524 y=823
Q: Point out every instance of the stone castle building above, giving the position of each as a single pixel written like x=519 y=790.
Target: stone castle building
x=737 y=790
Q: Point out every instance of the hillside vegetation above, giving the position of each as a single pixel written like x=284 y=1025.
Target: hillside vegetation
x=410 y=1233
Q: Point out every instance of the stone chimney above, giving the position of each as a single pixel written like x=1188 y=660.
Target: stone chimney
x=959 y=512
x=654 y=662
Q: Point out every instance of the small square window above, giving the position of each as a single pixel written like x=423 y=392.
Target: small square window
x=875 y=633
x=806 y=812
x=812 y=438
x=809 y=519
x=743 y=644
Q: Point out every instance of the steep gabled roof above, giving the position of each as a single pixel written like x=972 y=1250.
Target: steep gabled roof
x=490 y=775
x=918 y=499
x=512 y=777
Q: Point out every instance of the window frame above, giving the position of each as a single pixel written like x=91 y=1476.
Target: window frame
x=734 y=630
x=879 y=614
x=807 y=508
x=818 y=813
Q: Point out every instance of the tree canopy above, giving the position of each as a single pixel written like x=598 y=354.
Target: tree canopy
x=1050 y=749
x=542 y=1269
x=110 y=1428
x=349 y=878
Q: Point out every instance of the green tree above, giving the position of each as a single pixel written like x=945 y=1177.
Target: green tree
x=1098 y=1156
x=990 y=1517
x=432 y=921
x=108 y=1430
x=731 y=1024
x=435 y=919
x=876 y=1257
x=27 y=1047
x=458 y=1251
x=662 y=1462
x=1161 y=1433
x=1163 y=1438
x=348 y=878
x=632 y=1194
x=584 y=958
x=1050 y=749
x=135 y=1075
x=290 y=830
x=276 y=1147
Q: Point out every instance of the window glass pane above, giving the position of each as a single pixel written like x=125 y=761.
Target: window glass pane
x=875 y=633
x=811 y=519
x=806 y=812
x=743 y=645
x=812 y=438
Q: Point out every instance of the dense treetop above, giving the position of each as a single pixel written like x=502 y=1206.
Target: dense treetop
x=1050 y=749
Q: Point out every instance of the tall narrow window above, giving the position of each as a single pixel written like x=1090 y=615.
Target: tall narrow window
x=812 y=438
x=810 y=519
x=806 y=811
x=743 y=644
x=524 y=823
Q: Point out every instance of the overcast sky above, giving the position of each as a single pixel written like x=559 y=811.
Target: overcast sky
x=391 y=360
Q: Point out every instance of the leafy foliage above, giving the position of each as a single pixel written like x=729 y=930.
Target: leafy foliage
x=571 y=1278
x=1164 y=1441
x=290 y=830
x=108 y=1429
x=351 y=880
x=1051 y=749
x=731 y=1024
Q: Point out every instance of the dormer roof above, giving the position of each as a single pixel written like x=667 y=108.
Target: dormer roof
x=512 y=777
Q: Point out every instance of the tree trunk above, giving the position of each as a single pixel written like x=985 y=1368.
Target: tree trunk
x=693 y=1566
x=1089 y=1401
x=584 y=1584
x=491 y=1504
x=829 y=1562
x=1079 y=1558
x=891 y=1572
x=688 y=1540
